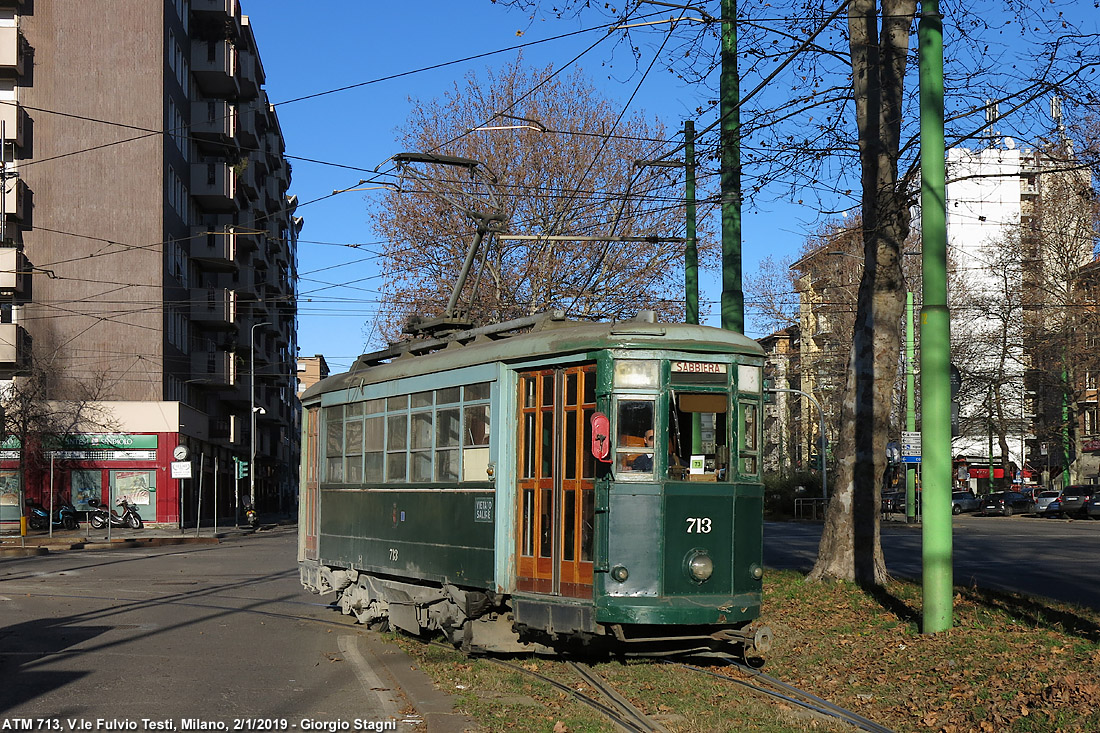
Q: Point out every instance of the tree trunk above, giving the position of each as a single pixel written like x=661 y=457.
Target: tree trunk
x=850 y=546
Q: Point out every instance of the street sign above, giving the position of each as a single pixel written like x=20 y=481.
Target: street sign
x=910 y=459
x=181 y=469
x=910 y=446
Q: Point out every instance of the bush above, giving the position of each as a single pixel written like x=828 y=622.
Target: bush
x=780 y=491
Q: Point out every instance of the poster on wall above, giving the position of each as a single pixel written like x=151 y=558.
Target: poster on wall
x=9 y=495
x=135 y=487
x=87 y=486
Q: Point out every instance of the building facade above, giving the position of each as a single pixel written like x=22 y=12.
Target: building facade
x=149 y=250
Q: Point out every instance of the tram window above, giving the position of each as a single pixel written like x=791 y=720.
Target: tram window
x=476 y=430
x=634 y=446
x=401 y=402
x=334 y=444
x=479 y=391
x=547 y=392
x=421 y=430
x=446 y=465
x=421 y=466
x=397 y=441
x=749 y=444
x=422 y=399
x=374 y=433
x=374 y=407
x=530 y=393
x=395 y=466
x=570 y=389
x=447 y=428
x=354 y=409
x=447 y=396
x=353 y=449
x=699 y=427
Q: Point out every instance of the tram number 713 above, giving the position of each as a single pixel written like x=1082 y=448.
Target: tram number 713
x=698 y=525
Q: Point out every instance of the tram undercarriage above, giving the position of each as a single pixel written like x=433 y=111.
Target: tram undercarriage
x=479 y=621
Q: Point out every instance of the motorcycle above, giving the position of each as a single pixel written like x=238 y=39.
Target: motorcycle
x=99 y=516
x=250 y=515
x=38 y=517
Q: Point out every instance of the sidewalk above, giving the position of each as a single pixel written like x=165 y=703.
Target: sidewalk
x=84 y=537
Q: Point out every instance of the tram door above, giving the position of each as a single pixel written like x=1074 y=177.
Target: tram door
x=556 y=481
x=310 y=459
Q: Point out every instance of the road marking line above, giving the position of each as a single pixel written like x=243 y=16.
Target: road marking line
x=372 y=683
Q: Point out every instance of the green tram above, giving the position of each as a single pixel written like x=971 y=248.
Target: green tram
x=543 y=483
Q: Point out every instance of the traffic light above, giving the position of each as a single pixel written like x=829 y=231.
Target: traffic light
x=242 y=467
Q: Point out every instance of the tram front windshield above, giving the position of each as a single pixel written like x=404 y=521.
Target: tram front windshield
x=698 y=435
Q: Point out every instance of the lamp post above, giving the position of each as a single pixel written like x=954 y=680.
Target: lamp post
x=252 y=414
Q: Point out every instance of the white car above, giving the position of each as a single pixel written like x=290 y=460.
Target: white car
x=1043 y=500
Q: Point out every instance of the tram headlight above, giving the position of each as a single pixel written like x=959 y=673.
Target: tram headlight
x=756 y=571
x=620 y=573
x=699 y=566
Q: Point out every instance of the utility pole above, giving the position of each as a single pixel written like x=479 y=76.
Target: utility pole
x=733 y=296
x=910 y=410
x=935 y=351
x=691 y=250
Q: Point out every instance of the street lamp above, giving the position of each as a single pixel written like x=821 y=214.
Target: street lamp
x=252 y=414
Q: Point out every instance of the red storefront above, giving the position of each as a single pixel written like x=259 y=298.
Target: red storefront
x=103 y=467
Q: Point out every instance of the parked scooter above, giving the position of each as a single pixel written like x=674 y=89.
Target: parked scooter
x=38 y=517
x=99 y=516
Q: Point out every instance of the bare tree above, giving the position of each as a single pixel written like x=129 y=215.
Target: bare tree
x=806 y=143
x=41 y=419
x=563 y=166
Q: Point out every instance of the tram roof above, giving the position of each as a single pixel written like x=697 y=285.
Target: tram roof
x=545 y=334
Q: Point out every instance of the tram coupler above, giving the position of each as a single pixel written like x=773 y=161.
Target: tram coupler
x=756 y=638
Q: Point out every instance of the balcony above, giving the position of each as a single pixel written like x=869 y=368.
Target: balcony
x=214 y=307
x=215 y=247
x=213 y=368
x=15 y=347
x=246 y=180
x=214 y=66
x=251 y=76
x=11 y=50
x=15 y=193
x=214 y=186
x=247 y=134
x=11 y=117
x=217 y=9
x=13 y=271
x=214 y=121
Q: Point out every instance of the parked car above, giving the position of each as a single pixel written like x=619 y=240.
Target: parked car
x=964 y=501
x=1075 y=498
x=1092 y=509
x=1005 y=503
x=1047 y=504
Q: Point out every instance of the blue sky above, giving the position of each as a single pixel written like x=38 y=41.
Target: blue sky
x=339 y=43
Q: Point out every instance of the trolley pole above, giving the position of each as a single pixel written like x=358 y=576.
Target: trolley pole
x=733 y=296
x=935 y=352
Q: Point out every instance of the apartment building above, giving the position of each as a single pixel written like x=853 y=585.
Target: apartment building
x=149 y=252
x=1019 y=231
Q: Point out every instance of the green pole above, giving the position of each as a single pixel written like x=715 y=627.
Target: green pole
x=910 y=410
x=733 y=297
x=691 y=264
x=691 y=252
x=1065 y=425
x=935 y=341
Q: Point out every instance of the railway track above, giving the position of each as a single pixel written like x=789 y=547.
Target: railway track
x=610 y=703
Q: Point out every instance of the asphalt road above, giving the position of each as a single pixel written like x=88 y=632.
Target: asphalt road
x=208 y=633
x=1055 y=558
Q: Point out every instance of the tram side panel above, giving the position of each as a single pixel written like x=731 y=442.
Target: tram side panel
x=437 y=535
